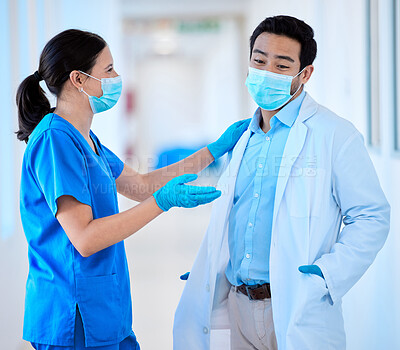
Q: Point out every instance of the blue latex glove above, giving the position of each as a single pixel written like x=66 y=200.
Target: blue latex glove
x=228 y=139
x=185 y=276
x=314 y=269
x=176 y=194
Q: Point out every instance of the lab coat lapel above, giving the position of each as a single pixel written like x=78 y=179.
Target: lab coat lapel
x=233 y=167
x=293 y=147
x=227 y=182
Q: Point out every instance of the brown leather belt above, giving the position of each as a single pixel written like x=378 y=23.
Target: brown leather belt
x=257 y=292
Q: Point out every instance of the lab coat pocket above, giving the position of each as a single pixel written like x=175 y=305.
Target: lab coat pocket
x=319 y=283
x=305 y=189
x=99 y=303
x=314 y=311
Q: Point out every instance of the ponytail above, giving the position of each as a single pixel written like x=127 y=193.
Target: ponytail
x=32 y=105
x=69 y=50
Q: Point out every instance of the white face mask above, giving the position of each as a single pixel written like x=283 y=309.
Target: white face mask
x=112 y=89
x=270 y=90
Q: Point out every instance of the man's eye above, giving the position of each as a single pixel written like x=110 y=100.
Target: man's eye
x=258 y=61
x=282 y=67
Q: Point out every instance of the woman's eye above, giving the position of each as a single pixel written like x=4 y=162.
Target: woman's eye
x=258 y=61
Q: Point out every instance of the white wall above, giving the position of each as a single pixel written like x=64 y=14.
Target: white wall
x=186 y=98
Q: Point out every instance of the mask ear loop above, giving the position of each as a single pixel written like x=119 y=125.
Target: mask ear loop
x=93 y=76
x=300 y=72
x=81 y=90
x=300 y=84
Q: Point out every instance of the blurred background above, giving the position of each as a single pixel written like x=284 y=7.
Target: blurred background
x=183 y=65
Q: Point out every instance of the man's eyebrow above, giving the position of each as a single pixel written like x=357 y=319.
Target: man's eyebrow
x=259 y=51
x=281 y=57
x=288 y=58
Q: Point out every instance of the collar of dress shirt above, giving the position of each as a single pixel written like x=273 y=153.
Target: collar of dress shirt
x=287 y=115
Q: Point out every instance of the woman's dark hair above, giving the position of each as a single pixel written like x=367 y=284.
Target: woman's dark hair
x=292 y=28
x=69 y=50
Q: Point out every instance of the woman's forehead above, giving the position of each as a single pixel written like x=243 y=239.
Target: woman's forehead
x=104 y=58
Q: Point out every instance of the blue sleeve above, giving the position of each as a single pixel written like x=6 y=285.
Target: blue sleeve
x=59 y=168
x=116 y=164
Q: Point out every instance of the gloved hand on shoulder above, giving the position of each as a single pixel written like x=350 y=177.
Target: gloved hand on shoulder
x=228 y=139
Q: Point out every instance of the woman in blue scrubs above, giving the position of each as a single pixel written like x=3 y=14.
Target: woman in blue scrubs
x=78 y=291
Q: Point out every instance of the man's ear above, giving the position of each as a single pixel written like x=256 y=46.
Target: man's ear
x=77 y=79
x=307 y=73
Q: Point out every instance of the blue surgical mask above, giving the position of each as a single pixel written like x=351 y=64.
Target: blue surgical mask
x=112 y=88
x=270 y=90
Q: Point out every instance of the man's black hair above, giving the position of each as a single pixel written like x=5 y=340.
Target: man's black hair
x=292 y=28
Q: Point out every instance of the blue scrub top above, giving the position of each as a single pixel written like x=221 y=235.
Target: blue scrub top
x=58 y=161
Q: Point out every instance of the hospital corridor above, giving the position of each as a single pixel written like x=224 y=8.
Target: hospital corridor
x=190 y=69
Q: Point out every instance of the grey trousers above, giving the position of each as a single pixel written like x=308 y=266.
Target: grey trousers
x=252 y=327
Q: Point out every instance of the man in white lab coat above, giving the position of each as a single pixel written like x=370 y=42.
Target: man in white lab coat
x=275 y=263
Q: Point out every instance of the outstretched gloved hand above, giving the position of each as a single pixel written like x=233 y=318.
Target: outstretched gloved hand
x=175 y=193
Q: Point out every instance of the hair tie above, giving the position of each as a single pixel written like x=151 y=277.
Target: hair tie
x=37 y=76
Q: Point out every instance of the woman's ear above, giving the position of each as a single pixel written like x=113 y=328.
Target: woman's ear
x=77 y=79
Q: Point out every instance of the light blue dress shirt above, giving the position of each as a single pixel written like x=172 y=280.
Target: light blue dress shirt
x=250 y=219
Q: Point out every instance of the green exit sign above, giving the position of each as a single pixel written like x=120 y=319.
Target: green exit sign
x=209 y=25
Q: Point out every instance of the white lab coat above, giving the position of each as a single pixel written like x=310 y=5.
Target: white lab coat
x=326 y=174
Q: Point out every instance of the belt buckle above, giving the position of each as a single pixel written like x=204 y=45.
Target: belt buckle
x=250 y=288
